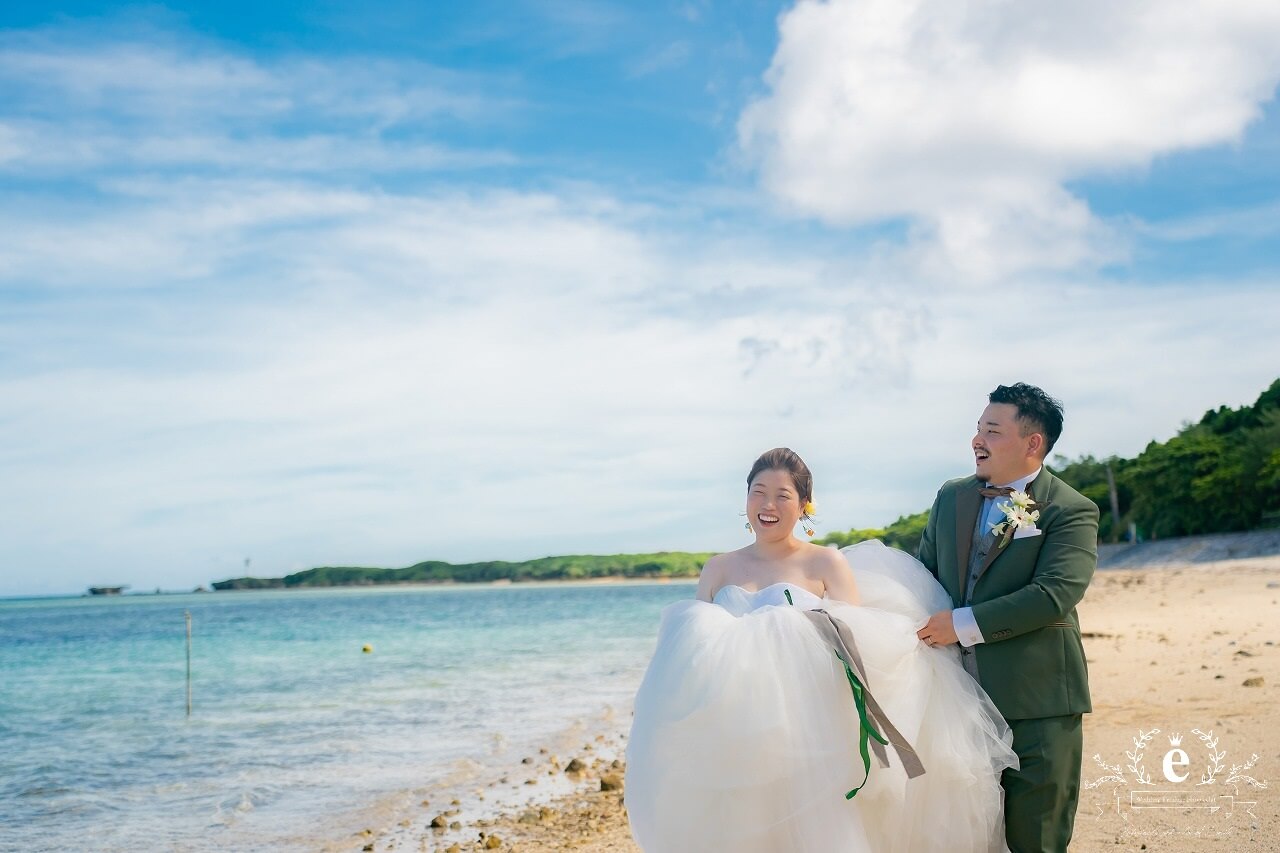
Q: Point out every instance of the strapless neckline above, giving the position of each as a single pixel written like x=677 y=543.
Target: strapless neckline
x=767 y=588
x=749 y=600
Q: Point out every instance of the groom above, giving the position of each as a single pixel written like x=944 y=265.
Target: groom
x=1014 y=591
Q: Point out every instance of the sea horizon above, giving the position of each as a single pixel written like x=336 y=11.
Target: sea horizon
x=295 y=730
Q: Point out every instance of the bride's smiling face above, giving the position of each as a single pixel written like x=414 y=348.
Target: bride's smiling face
x=773 y=504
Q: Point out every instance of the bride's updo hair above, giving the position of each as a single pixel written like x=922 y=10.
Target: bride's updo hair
x=785 y=459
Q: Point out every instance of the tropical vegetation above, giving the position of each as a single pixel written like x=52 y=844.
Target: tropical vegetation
x=1218 y=475
x=675 y=564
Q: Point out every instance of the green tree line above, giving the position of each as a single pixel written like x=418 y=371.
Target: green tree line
x=673 y=564
x=1219 y=475
x=1216 y=476
x=904 y=533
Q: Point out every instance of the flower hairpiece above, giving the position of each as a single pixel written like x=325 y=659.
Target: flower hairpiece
x=809 y=508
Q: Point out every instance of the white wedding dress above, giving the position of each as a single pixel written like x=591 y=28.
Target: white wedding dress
x=745 y=736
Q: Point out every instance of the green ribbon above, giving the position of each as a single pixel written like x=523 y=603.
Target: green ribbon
x=864 y=725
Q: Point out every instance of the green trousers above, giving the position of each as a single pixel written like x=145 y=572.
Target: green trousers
x=1040 y=797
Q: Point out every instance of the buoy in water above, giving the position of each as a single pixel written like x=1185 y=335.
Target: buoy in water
x=366 y=648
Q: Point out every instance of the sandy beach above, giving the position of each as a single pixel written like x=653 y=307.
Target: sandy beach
x=1187 y=650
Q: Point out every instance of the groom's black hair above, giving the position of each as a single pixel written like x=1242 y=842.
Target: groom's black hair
x=1037 y=411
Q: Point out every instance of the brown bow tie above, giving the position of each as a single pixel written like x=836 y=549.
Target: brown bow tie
x=989 y=492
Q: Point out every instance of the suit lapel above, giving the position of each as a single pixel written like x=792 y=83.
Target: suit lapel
x=968 y=501
x=1037 y=487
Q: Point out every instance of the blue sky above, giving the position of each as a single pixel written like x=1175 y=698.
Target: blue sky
x=354 y=285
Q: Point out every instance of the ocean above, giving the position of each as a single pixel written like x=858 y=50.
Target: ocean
x=295 y=732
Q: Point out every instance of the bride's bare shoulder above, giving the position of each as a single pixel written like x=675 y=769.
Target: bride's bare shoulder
x=822 y=555
x=715 y=572
x=829 y=566
x=718 y=565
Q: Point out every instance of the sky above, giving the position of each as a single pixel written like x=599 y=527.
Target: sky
x=339 y=284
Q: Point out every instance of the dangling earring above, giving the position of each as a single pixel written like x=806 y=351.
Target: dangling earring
x=808 y=531
x=747 y=525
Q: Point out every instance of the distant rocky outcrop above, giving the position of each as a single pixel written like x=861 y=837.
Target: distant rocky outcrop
x=1187 y=550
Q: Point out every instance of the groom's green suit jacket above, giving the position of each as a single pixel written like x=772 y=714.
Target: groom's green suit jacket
x=1024 y=601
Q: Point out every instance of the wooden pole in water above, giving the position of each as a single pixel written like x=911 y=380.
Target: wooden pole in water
x=187 y=615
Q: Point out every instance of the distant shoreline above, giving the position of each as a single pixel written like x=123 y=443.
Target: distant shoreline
x=1174 y=552
x=1177 y=551
x=600 y=581
x=568 y=567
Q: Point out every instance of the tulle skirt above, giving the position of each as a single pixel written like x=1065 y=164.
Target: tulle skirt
x=745 y=735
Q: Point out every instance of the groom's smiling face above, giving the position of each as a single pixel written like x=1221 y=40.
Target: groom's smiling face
x=1001 y=453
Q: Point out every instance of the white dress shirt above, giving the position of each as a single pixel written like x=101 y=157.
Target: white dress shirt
x=992 y=512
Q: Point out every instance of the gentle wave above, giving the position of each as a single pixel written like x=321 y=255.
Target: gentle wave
x=295 y=729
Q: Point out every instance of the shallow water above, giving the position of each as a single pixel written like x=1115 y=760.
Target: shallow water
x=293 y=726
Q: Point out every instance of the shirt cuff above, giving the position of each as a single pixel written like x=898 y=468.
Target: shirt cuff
x=966 y=627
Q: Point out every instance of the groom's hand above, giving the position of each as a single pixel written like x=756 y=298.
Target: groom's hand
x=940 y=630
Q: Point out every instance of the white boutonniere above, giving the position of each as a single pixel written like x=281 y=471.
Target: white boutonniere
x=1021 y=512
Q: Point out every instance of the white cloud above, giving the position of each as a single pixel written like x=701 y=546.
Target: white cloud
x=80 y=105
x=363 y=364
x=172 y=78
x=312 y=368
x=47 y=148
x=357 y=377
x=968 y=118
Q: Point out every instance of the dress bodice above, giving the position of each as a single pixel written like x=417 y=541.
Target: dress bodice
x=739 y=601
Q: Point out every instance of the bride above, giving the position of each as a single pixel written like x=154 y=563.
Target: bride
x=755 y=731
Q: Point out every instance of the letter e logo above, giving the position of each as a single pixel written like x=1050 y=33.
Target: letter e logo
x=1175 y=758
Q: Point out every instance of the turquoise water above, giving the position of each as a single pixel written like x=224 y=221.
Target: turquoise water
x=294 y=728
